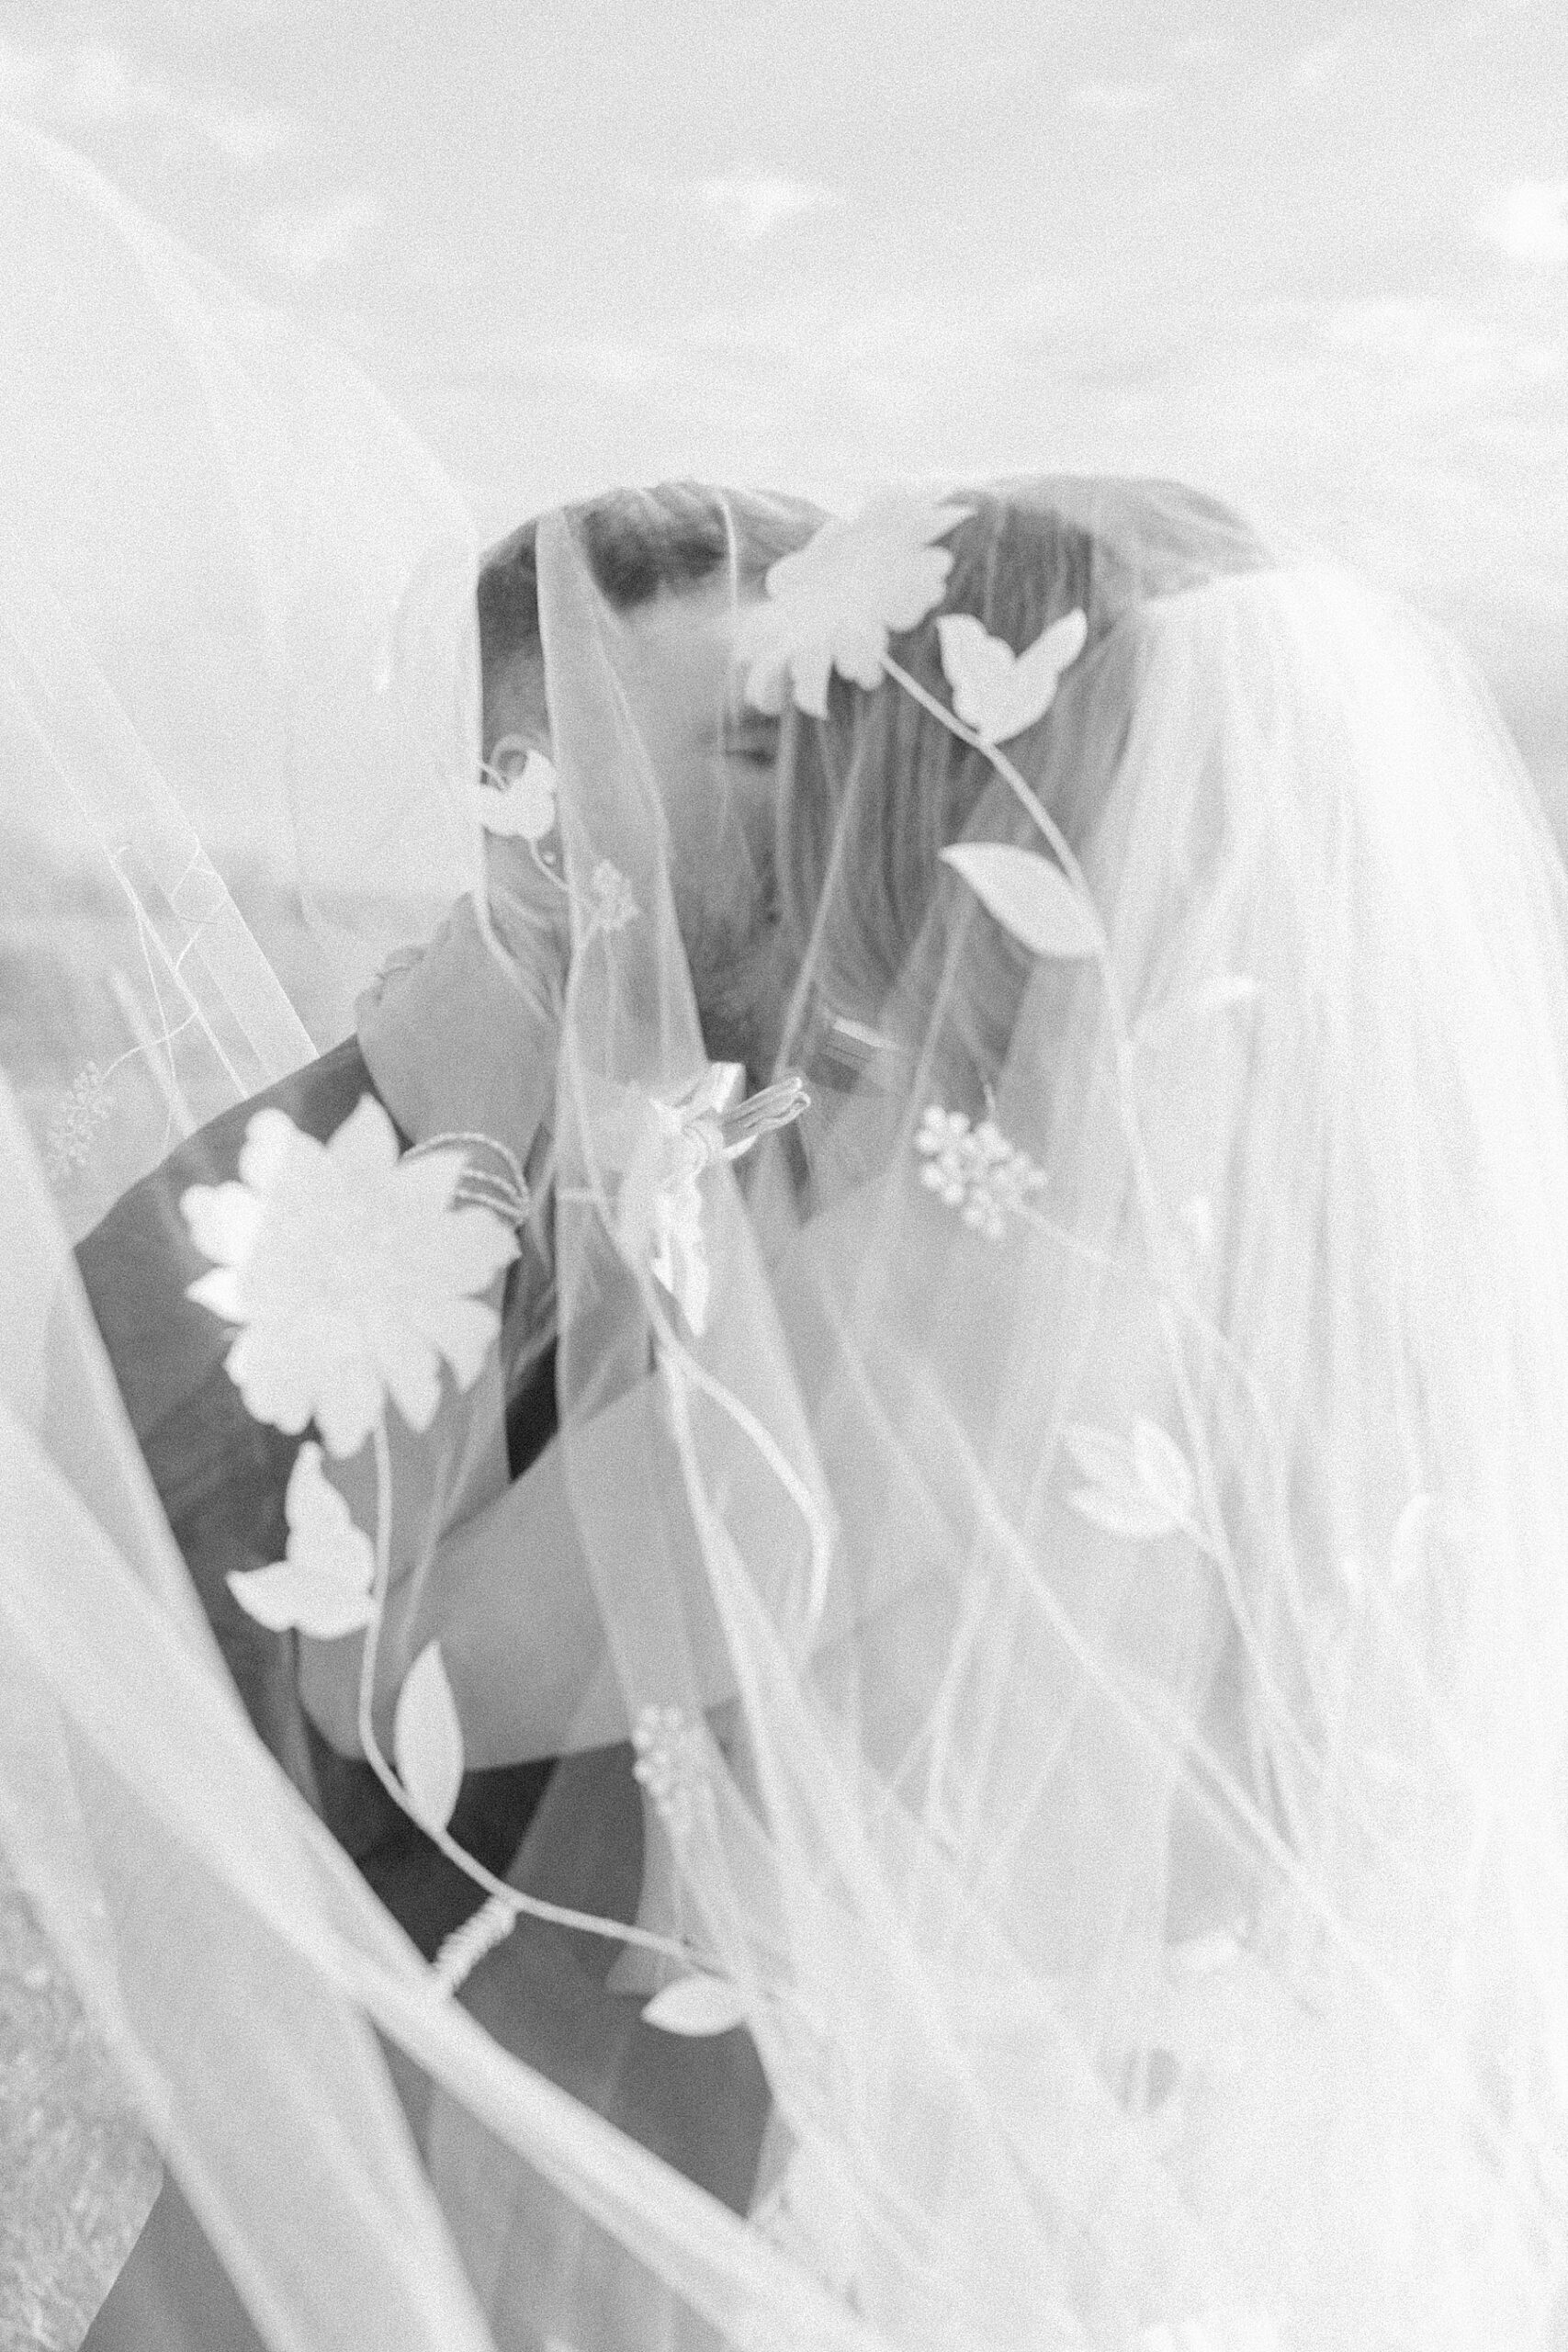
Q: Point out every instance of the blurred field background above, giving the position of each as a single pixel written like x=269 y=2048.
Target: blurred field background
x=77 y=2175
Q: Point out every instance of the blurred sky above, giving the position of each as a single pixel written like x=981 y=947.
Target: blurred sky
x=1314 y=259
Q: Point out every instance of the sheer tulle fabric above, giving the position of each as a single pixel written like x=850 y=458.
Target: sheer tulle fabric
x=240 y=706
x=1096 y=1649
x=1148 y=1922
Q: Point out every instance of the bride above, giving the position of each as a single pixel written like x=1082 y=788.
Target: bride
x=995 y=1117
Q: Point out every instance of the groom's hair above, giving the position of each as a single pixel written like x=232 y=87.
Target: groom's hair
x=640 y=543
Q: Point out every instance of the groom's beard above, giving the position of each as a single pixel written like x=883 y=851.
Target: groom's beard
x=735 y=959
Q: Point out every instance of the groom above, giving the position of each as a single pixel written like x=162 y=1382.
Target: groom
x=449 y=1049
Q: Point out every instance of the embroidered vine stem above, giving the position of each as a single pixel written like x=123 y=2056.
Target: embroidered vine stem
x=533 y=1905
x=1211 y=1537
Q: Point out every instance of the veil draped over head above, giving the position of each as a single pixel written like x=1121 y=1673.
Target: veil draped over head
x=1050 y=1569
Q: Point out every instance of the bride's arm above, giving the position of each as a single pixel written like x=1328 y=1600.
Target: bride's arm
x=512 y=1596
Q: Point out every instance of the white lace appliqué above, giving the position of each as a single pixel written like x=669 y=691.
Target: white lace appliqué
x=81 y=1112
x=831 y=605
x=670 y=1765
x=611 y=901
x=351 y=1273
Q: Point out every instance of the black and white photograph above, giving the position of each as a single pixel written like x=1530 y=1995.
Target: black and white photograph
x=783 y=1176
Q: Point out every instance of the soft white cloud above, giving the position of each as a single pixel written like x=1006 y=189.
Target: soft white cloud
x=750 y=205
x=245 y=134
x=1114 y=101
x=1319 y=64
x=1529 y=222
x=94 y=85
x=85 y=82
x=301 y=240
x=1467 y=355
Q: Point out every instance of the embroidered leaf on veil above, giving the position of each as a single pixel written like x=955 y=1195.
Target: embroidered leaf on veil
x=1139 y=1491
x=1162 y=1468
x=696 y=2005
x=427 y=1739
x=323 y=1586
x=1028 y=896
x=997 y=691
x=1198 y=1222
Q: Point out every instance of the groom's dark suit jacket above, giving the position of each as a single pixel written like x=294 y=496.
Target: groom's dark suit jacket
x=221 y=1478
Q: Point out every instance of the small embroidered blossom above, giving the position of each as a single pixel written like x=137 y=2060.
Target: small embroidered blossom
x=323 y=1586
x=611 y=896
x=669 y=1764
x=351 y=1273
x=69 y=1142
x=975 y=1169
x=831 y=605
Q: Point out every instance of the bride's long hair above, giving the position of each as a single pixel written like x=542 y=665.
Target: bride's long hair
x=870 y=795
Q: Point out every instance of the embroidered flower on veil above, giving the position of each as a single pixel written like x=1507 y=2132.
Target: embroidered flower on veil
x=976 y=1170
x=351 y=1271
x=831 y=605
x=610 y=898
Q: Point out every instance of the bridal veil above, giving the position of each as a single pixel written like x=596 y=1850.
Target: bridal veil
x=1062 y=1476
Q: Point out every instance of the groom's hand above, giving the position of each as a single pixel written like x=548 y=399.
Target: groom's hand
x=462 y=1035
